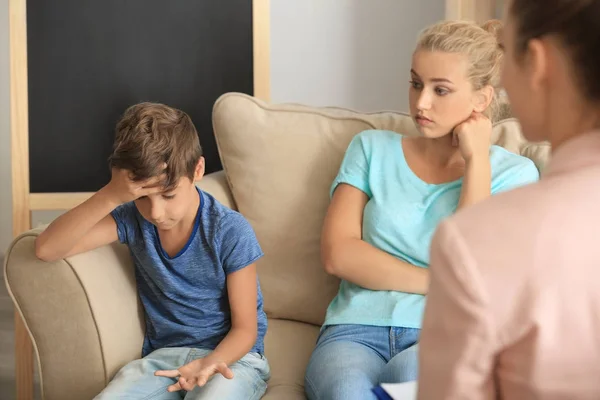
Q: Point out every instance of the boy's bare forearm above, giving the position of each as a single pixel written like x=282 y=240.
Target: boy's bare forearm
x=477 y=182
x=74 y=228
x=67 y=230
x=237 y=343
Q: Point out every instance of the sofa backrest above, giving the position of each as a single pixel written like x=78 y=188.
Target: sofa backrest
x=280 y=161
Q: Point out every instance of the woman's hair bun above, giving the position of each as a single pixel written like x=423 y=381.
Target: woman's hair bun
x=493 y=26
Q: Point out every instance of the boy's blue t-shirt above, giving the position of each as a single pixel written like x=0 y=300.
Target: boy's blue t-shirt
x=400 y=218
x=185 y=297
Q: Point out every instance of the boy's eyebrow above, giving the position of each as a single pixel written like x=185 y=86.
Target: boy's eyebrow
x=170 y=189
x=412 y=71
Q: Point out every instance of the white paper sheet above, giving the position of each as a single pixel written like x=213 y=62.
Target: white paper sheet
x=401 y=391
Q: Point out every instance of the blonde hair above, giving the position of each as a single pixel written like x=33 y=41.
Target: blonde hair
x=479 y=44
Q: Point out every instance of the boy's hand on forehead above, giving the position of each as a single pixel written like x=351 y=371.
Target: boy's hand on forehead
x=122 y=188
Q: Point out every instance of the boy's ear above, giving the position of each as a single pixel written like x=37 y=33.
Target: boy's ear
x=199 y=171
x=483 y=99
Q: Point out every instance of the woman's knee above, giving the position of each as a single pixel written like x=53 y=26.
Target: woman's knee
x=342 y=370
x=346 y=383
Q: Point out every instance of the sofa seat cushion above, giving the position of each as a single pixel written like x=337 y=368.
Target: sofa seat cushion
x=288 y=346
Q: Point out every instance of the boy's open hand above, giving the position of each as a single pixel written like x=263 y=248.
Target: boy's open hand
x=122 y=189
x=196 y=373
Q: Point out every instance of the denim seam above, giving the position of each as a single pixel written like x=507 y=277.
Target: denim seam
x=256 y=385
x=157 y=391
x=392 y=338
x=190 y=357
x=312 y=387
x=256 y=390
x=256 y=370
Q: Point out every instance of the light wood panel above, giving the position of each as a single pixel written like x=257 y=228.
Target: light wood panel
x=23 y=360
x=19 y=123
x=474 y=10
x=19 y=126
x=57 y=201
x=261 y=49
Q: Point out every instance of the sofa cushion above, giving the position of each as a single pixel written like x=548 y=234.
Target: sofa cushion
x=280 y=161
x=288 y=346
x=507 y=133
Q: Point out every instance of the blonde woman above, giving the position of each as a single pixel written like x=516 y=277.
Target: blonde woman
x=513 y=310
x=388 y=198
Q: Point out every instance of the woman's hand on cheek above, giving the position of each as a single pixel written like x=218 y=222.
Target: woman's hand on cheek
x=473 y=137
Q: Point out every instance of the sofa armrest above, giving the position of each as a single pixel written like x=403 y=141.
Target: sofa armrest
x=82 y=314
x=216 y=185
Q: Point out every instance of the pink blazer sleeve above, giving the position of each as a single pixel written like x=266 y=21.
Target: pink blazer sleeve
x=457 y=346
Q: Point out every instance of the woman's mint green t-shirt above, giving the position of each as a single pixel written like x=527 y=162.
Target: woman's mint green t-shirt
x=400 y=218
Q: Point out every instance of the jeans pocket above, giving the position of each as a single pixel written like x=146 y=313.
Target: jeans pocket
x=259 y=363
x=322 y=332
x=256 y=355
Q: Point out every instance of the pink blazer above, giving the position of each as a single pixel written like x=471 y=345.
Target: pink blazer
x=513 y=310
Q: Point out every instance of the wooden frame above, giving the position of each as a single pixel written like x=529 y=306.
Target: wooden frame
x=475 y=10
x=19 y=135
x=24 y=202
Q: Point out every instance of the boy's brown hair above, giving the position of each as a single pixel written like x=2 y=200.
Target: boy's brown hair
x=150 y=135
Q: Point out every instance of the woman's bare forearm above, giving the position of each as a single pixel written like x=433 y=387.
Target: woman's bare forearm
x=356 y=261
x=477 y=182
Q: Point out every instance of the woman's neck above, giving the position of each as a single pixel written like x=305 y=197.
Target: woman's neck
x=440 y=152
x=578 y=124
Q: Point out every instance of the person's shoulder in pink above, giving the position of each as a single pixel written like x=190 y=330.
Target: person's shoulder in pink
x=515 y=290
x=513 y=304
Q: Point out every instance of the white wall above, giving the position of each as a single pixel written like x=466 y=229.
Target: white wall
x=347 y=53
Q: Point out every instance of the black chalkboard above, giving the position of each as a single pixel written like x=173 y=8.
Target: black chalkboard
x=88 y=60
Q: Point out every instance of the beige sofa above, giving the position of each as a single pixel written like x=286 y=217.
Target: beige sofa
x=279 y=160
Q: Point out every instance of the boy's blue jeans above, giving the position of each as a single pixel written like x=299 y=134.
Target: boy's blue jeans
x=136 y=380
x=350 y=360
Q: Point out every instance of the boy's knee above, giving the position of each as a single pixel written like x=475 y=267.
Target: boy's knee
x=138 y=368
x=136 y=380
x=244 y=385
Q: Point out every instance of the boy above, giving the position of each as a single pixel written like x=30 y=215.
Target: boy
x=194 y=261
